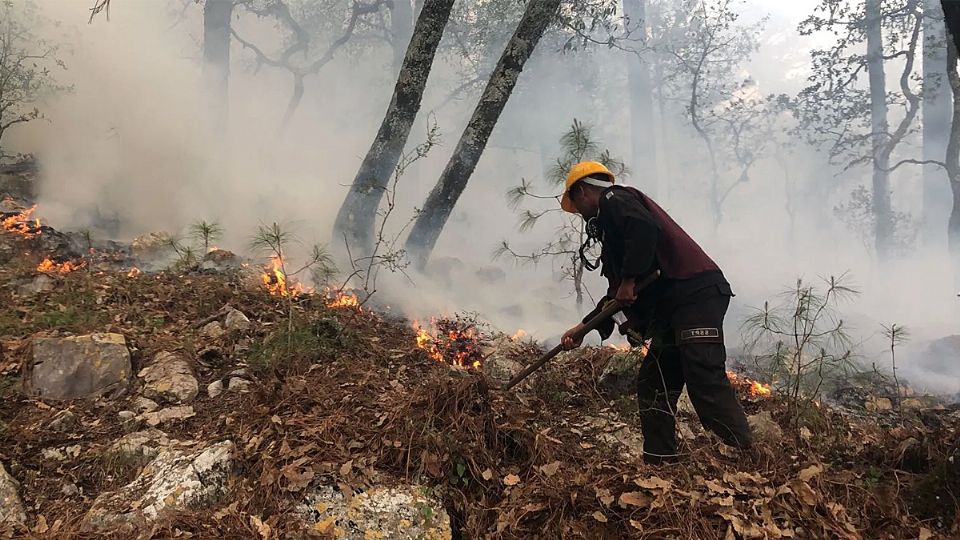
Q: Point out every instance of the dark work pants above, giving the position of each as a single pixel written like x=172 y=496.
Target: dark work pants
x=688 y=348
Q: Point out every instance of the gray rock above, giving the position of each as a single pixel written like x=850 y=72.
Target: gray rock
x=402 y=512
x=69 y=489
x=154 y=419
x=146 y=443
x=213 y=330
x=764 y=428
x=220 y=260
x=177 y=479
x=239 y=385
x=39 y=284
x=64 y=421
x=236 y=320
x=53 y=454
x=215 y=388
x=126 y=415
x=11 y=505
x=78 y=366
x=169 y=379
x=142 y=404
x=619 y=376
x=618 y=434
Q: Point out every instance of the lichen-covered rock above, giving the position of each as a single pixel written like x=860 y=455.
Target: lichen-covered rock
x=11 y=505
x=78 y=366
x=176 y=479
x=236 y=320
x=213 y=330
x=155 y=418
x=64 y=421
x=764 y=428
x=617 y=434
x=619 y=377
x=215 y=388
x=403 y=512
x=169 y=379
x=140 y=444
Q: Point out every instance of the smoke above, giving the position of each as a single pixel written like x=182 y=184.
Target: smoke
x=133 y=149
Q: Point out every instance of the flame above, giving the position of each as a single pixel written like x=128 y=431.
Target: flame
x=521 y=333
x=21 y=223
x=134 y=272
x=275 y=280
x=451 y=344
x=344 y=300
x=756 y=389
x=47 y=266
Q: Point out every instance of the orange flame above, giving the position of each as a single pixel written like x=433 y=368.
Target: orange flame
x=275 y=280
x=455 y=347
x=521 y=333
x=754 y=388
x=344 y=300
x=47 y=266
x=134 y=272
x=21 y=223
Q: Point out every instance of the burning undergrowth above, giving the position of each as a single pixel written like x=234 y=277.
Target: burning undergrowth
x=456 y=341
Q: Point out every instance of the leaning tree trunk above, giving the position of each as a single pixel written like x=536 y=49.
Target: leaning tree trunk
x=356 y=218
x=936 y=124
x=953 y=160
x=216 y=56
x=882 y=211
x=441 y=200
x=642 y=126
x=401 y=28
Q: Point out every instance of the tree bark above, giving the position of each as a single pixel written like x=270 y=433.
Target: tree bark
x=401 y=26
x=642 y=126
x=882 y=212
x=216 y=56
x=356 y=218
x=936 y=124
x=440 y=202
x=953 y=162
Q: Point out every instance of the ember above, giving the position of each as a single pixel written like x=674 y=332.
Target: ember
x=275 y=280
x=134 y=272
x=22 y=224
x=47 y=266
x=454 y=341
x=754 y=388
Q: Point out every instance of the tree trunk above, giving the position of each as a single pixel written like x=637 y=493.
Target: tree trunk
x=936 y=124
x=216 y=56
x=441 y=200
x=642 y=126
x=356 y=218
x=401 y=26
x=882 y=213
x=953 y=163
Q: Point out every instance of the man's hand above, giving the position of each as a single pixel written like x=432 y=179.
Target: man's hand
x=627 y=292
x=569 y=341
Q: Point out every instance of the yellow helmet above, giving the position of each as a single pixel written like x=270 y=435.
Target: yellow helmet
x=579 y=172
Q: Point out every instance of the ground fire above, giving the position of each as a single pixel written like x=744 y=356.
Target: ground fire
x=756 y=389
x=275 y=280
x=452 y=341
x=48 y=266
x=343 y=299
x=22 y=223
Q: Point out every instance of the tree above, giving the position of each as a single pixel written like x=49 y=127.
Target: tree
x=569 y=233
x=952 y=15
x=642 y=134
x=852 y=122
x=444 y=195
x=27 y=64
x=355 y=220
x=216 y=55
x=936 y=123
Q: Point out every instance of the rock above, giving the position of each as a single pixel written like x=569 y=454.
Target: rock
x=912 y=404
x=765 y=428
x=236 y=320
x=64 y=421
x=177 y=479
x=239 y=385
x=617 y=434
x=53 y=454
x=146 y=443
x=500 y=369
x=169 y=379
x=126 y=415
x=156 y=418
x=619 y=377
x=684 y=405
x=39 y=284
x=215 y=388
x=151 y=244
x=78 y=366
x=142 y=404
x=11 y=505
x=402 y=512
x=213 y=330
x=220 y=260
x=874 y=404
x=69 y=489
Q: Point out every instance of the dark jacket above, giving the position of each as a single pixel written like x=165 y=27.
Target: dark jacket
x=639 y=237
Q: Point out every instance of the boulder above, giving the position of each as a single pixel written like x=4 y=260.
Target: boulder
x=402 y=512
x=764 y=428
x=236 y=320
x=155 y=418
x=177 y=479
x=169 y=379
x=215 y=388
x=213 y=330
x=220 y=260
x=78 y=367
x=619 y=377
x=11 y=505
x=140 y=444
x=39 y=284
x=64 y=421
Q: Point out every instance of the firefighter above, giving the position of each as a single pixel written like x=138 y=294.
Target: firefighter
x=681 y=312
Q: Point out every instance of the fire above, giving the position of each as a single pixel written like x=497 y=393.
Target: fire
x=756 y=389
x=344 y=300
x=521 y=333
x=47 y=266
x=22 y=223
x=455 y=342
x=134 y=272
x=275 y=280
